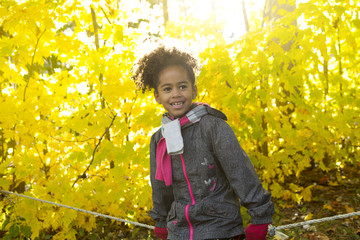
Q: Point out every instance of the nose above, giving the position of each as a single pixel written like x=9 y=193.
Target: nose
x=175 y=93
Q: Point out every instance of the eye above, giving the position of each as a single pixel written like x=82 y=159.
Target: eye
x=167 y=89
x=182 y=87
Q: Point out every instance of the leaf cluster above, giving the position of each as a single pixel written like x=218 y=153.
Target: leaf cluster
x=74 y=129
x=291 y=93
x=72 y=126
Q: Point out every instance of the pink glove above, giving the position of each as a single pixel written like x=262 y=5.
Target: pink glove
x=161 y=233
x=256 y=232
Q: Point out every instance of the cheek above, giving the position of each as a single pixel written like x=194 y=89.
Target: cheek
x=194 y=93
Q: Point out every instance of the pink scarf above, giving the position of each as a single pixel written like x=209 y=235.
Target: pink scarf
x=163 y=158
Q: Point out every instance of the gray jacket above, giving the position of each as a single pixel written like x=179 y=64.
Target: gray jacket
x=208 y=182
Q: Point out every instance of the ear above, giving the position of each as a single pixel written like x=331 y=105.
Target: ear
x=194 y=92
x=156 y=95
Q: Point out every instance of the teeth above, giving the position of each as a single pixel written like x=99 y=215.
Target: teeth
x=178 y=103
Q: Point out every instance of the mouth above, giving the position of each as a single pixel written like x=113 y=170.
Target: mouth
x=177 y=104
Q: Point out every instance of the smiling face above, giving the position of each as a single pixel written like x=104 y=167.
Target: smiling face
x=175 y=91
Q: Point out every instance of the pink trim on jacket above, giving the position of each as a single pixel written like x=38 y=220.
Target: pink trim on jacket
x=191 y=229
x=187 y=180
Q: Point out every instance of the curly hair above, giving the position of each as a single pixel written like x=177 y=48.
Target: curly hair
x=146 y=70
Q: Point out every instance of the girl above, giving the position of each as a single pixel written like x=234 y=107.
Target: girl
x=199 y=172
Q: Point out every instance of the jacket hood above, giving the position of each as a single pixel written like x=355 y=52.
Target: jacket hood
x=216 y=113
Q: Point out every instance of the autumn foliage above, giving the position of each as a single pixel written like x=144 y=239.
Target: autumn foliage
x=74 y=129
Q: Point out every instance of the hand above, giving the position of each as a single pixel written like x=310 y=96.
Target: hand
x=256 y=232
x=161 y=233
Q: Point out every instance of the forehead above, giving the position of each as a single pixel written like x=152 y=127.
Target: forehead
x=174 y=73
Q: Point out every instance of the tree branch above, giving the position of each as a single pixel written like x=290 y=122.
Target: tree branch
x=264 y=14
x=32 y=64
x=245 y=17
x=83 y=175
x=45 y=167
x=106 y=15
x=75 y=141
x=165 y=12
x=96 y=28
x=101 y=76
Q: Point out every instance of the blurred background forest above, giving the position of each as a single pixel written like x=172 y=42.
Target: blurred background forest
x=74 y=129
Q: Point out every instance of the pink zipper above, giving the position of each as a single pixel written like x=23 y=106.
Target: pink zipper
x=191 y=230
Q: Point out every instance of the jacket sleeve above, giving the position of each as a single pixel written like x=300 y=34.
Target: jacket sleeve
x=241 y=174
x=162 y=195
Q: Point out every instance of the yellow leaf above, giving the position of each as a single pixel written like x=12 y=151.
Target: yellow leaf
x=308 y=217
x=327 y=206
x=81 y=220
x=91 y=223
x=333 y=183
x=35 y=228
x=349 y=209
x=306 y=193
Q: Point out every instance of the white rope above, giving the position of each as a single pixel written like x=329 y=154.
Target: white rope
x=271 y=229
x=81 y=210
x=275 y=230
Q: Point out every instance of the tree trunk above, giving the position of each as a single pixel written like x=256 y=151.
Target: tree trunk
x=165 y=12
x=246 y=21
x=271 y=10
x=101 y=76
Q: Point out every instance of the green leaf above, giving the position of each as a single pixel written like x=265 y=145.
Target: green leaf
x=119 y=34
x=5 y=223
x=339 y=9
x=6 y=47
x=14 y=231
x=77 y=156
x=26 y=230
x=356 y=23
x=7 y=237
